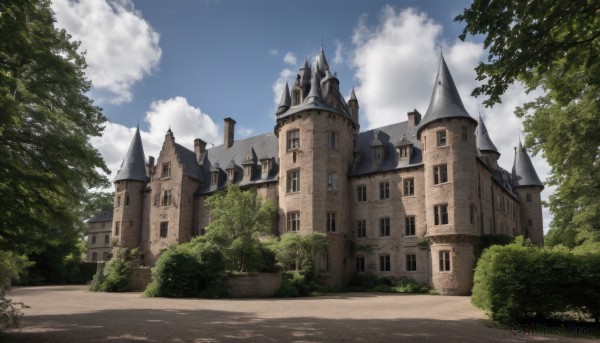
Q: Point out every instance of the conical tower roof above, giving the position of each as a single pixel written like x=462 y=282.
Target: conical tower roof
x=484 y=142
x=285 y=102
x=134 y=164
x=445 y=100
x=323 y=64
x=523 y=172
x=353 y=95
x=315 y=88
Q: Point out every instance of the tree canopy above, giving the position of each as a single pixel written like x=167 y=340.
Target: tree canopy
x=46 y=120
x=553 y=46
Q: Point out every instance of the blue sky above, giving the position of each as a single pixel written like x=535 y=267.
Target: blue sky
x=189 y=64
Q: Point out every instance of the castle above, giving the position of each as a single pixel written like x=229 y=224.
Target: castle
x=411 y=199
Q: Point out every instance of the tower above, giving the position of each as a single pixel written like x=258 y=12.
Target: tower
x=449 y=158
x=528 y=187
x=129 y=186
x=485 y=144
x=315 y=129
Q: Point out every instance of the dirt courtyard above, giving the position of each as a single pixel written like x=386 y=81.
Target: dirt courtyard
x=73 y=314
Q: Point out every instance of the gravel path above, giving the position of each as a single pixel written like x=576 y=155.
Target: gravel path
x=72 y=314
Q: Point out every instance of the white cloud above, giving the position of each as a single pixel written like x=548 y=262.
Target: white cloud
x=338 y=57
x=279 y=85
x=122 y=48
x=396 y=63
x=243 y=132
x=186 y=122
x=290 y=58
x=273 y=52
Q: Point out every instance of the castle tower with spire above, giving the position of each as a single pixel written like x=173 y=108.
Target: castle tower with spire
x=407 y=200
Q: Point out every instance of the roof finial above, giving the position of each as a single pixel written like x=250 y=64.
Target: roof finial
x=321 y=43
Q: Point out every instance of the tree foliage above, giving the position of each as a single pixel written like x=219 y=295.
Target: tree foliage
x=46 y=119
x=238 y=219
x=554 y=46
x=297 y=252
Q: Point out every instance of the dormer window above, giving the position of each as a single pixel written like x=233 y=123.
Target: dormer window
x=378 y=154
x=265 y=166
x=230 y=175
x=296 y=97
x=214 y=178
x=248 y=171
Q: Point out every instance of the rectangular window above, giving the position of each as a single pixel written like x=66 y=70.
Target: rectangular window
x=164 y=229
x=293 y=181
x=106 y=239
x=118 y=201
x=214 y=178
x=166 y=201
x=384 y=227
x=117 y=228
x=361 y=193
x=409 y=186
x=411 y=262
x=384 y=190
x=385 y=263
x=293 y=221
x=403 y=152
x=296 y=97
x=360 y=264
x=166 y=170
x=293 y=139
x=441 y=138
x=441 y=214
x=127 y=200
x=440 y=174
x=332 y=181
x=157 y=199
x=93 y=239
x=361 y=228
x=332 y=140
x=528 y=196
x=444 y=261
x=464 y=134
x=410 y=229
x=331 y=222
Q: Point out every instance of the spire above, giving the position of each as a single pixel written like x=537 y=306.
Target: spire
x=353 y=95
x=323 y=65
x=523 y=172
x=445 y=100
x=484 y=142
x=134 y=165
x=285 y=102
x=315 y=87
x=305 y=64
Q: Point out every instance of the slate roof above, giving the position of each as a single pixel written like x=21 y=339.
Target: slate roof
x=188 y=159
x=388 y=136
x=103 y=216
x=134 y=164
x=523 y=173
x=484 y=142
x=219 y=158
x=445 y=101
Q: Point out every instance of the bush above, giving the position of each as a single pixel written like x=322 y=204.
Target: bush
x=366 y=282
x=113 y=277
x=300 y=284
x=520 y=281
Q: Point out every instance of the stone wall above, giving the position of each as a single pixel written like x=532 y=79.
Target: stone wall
x=139 y=278
x=260 y=285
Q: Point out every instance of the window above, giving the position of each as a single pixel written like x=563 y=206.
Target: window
x=378 y=153
x=296 y=97
x=403 y=152
x=410 y=226
x=331 y=222
x=164 y=229
x=293 y=139
x=360 y=264
x=293 y=181
x=361 y=228
x=157 y=199
x=214 y=178
x=411 y=262
x=444 y=261
x=384 y=227
x=332 y=181
x=293 y=221
x=409 y=186
x=230 y=175
x=464 y=134
x=118 y=201
x=94 y=257
x=117 y=228
x=440 y=174
x=441 y=138
x=127 y=200
x=166 y=170
x=384 y=190
x=106 y=239
x=103 y=225
x=93 y=239
x=528 y=196
x=441 y=214
x=332 y=140
x=361 y=193
x=166 y=201
x=384 y=263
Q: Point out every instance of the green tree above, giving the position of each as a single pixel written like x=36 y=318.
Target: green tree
x=297 y=252
x=554 y=46
x=238 y=219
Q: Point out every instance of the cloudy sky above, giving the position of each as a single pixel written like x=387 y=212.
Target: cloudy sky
x=188 y=64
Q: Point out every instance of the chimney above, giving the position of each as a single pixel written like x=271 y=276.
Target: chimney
x=414 y=118
x=228 y=134
x=199 y=148
x=150 y=161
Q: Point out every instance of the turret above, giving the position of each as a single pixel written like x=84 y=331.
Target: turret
x=449 y=156
x=129 y=186
x=285 y=102
x=528 y=188
x=485 y=145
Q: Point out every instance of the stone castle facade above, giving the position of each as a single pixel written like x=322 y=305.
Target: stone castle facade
x=410 y=199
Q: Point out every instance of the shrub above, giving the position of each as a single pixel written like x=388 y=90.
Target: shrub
x=113 y=277
x=372 y=283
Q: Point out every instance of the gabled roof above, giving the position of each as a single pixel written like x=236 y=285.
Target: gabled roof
x=523 y=173
x=134 y=164
x=188 y=159
x=484 y=142
x=104 y=216
x=445 y=101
